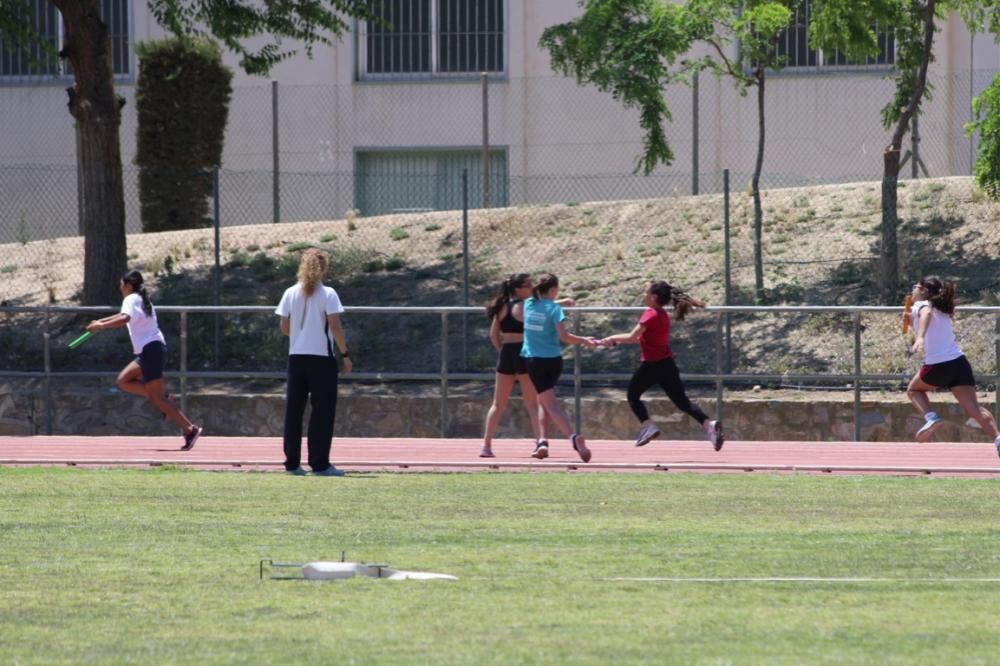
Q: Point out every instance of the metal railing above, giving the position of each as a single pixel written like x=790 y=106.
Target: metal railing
x=720 y=377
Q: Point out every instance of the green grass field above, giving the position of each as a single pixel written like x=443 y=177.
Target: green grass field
x=151 y=567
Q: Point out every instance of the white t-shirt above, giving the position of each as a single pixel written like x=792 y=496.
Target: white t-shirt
x=307 y=319
x=940 y=345
x=142 y=327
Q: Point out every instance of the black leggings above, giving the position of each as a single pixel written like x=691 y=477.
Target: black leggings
x=666 y=374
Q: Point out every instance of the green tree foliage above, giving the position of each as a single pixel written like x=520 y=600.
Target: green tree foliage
x=633 y=48
x=233 y=22
x=754 y=27
x=182 y=99
x=849 y=26
x=986 y=107
x=97 y=109
x=19 y=33
x=627 y=48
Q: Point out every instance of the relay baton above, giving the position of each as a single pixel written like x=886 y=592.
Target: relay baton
x=80 y=340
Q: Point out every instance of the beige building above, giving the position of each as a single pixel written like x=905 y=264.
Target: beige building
x=388 y=119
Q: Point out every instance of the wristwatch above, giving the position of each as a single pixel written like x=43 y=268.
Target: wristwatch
x=344 y=354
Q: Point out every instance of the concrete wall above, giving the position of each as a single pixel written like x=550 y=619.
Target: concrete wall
x=94 y=409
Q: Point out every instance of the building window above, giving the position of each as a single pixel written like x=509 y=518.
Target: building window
x=33 y=63
x=793 y=43
x=422 y=179
x=426 y=38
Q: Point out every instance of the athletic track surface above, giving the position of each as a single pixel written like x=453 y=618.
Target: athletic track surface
x=454 y=455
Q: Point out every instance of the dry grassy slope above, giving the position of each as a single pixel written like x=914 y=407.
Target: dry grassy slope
x=818 y=249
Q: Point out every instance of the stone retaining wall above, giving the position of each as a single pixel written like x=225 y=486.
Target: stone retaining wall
x=97 y=409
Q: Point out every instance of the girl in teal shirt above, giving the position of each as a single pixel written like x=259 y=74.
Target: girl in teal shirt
x=544 y=334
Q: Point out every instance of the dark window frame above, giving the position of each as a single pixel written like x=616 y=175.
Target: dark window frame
x=794 y=43
x=117 y=15
x=434 y=39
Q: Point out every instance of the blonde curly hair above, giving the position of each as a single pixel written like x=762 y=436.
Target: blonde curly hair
x=312 y=267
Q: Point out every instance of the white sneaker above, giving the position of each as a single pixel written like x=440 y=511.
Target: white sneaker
x=714 y=430
x=648 y=433
x=541 y=450
x=932 y=423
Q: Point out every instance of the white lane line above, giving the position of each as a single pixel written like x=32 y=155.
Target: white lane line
x=791 y=579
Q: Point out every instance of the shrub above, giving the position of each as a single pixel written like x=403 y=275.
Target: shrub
x=394 y=263
x=986 y=108
x=182 y=101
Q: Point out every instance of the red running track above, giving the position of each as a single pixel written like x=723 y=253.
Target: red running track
x=373 y=454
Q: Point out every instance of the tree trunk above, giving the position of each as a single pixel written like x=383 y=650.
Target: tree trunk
x=97 y=111
x=758 y=210
x=888 y=247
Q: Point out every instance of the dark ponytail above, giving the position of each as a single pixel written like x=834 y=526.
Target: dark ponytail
x=666 y=293
x=546 y=283
x=940 y=294
x=505 y=293
x=134 y=278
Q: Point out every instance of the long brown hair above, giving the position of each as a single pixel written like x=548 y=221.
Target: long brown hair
x=505 y=293
x=667 y=293
x=312 y=267
x=940 y=294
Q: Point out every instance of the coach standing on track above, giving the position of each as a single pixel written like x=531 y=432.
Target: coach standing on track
x=310 y=312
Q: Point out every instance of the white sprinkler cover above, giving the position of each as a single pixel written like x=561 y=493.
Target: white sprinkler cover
x=338 y=570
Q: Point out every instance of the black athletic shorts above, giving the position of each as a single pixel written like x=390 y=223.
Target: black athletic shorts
x=510 y=361
x=956 y=372
x=152 y=360
x=544 y=372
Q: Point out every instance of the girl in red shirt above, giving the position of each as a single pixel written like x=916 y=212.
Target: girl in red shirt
x=657 y=361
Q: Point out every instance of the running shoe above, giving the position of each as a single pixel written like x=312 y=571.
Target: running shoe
x=932 y=423
x=541 y=450
x=714 y=429
x=191 y=437
x=580 y=446
x=648 y=433
x=298 y=471
x=486 y=452
x=330 y=471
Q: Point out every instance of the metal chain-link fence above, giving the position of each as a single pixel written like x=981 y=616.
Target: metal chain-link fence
x=394 y=181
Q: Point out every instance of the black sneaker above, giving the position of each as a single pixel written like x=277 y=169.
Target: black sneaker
x=191 y=437
x=541 y=450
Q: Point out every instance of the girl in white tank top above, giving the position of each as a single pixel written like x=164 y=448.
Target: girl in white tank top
x=944 y=363
x=938 y=343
